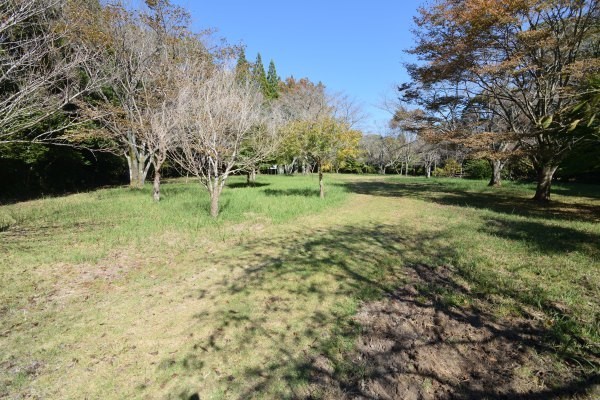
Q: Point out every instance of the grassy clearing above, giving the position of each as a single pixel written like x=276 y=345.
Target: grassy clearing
x=106 y=294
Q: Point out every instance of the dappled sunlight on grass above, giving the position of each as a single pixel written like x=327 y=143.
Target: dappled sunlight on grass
x=109 y=295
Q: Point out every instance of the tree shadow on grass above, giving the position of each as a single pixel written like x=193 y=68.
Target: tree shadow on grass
x=580 y=190
x=238 y=185
x=545 y=237
x=498 y=201
x=424 y=342
x=174 y=189
x=292 y=192
x=430 y=312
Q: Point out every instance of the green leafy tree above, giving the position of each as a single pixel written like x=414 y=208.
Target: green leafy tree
x=322 y=141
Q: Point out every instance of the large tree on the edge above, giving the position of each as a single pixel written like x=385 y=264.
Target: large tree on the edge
x=529 y=56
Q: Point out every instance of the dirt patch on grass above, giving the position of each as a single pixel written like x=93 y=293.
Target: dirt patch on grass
x=416 y=344
x=76 y=280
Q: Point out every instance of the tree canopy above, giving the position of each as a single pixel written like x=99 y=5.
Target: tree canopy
x=521 y=63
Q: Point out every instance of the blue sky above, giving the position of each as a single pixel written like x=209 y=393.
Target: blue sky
x=355 y=47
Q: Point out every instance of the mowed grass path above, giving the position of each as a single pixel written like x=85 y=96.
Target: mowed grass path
x=107 y=295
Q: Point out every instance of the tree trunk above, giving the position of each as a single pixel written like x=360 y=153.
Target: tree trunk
x=139 y=165
x=215 y=193
x=292 y=166
x=428 y=170
x=382 y=170
x=496 y=179
x=156 y=185
x=141 y=173
x=133 y=164
x=544 y=181
x=251 y=176
x=321 y=188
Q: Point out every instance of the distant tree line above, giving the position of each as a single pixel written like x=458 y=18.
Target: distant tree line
x=88 y=85
x=95 y=93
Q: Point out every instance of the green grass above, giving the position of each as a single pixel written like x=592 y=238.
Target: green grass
x=107 y=294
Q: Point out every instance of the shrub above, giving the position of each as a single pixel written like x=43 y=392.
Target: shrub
x=478 y=169
x=451 y=168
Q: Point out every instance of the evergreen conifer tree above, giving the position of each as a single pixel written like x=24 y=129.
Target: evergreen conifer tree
x=272 y=82
x=259 y=76
x=242 y=68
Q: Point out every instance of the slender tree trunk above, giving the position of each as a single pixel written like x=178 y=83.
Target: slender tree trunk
x=214 y=205
x=215 y=193
x=156 y=185
x=141 y=171
x=496 y=179
x=321 y=187
x=428 y=170
x=544 y=182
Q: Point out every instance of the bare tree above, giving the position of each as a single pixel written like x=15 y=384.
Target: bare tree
x=303 y=100
x=143 y=50
x=345 y=109
x=382 y=151
x=264 y=141
x=175 y=48
x=408 y=150
x=127 y=62
x=429 y=155
x=42 y=62
x=221 y=117
x=160 y=139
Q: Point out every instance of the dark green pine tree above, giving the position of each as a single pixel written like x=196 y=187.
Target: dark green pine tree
x=242 y=68
x=272 y=82
x=259 y=76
